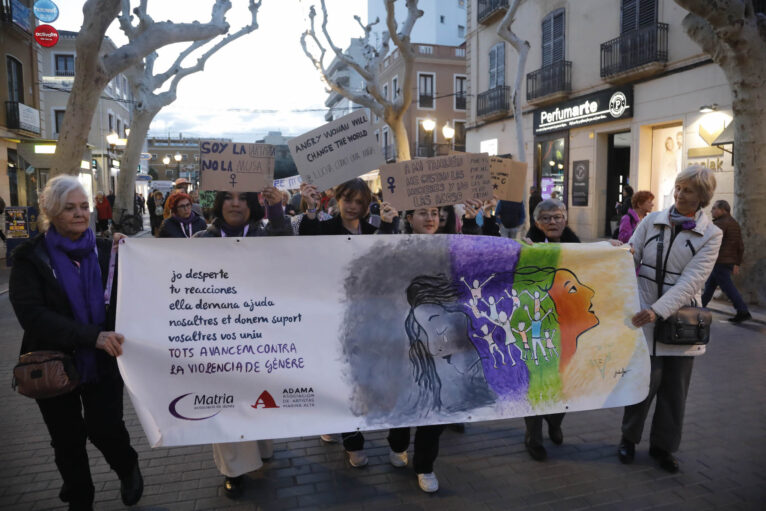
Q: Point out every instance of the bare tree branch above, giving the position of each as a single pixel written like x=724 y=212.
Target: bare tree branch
x=505 y=31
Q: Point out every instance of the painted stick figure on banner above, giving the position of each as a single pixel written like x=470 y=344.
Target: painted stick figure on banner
x=537 y=298
x=537 y=326
x=493 y=348
x=549 y=343
x=476 y=287
x=472 y=304
x=523 y=334
x=504 y=322
x=492 y=304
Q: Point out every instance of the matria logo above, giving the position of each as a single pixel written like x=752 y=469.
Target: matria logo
x=187 y=409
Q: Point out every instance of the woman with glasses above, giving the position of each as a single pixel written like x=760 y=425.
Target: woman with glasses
x=184 y=222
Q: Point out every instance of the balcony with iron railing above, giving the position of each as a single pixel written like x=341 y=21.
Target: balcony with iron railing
x=426 y=101
x=635 y=54
x=426 y=150
x=490 y=9
x=19 y=116
x=549 y=83
x=494 y=103
x=65 y=72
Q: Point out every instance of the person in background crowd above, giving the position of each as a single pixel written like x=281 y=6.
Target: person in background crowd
x=2 y=220
x=627 y=201
x=110 y=198
x=57 y=286
x=511 y=216
x=103 y=214
x=691 y=244
x=354 y=198
x=239 y=214
x=295 y=200
x=184 y=222
x=643 y=204
x=728 y=262
x=554 y=195
x=156 y=205
x=475 y=208
x=535 y=197
x=418 y=221
x=181 y=185
x=196 y=207
x=142 y=203
x=447 y=220
x=137 y=205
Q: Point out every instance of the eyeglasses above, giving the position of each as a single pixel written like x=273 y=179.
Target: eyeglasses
x=183 y=206
x=545 y=219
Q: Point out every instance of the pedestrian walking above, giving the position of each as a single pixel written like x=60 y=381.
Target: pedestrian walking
x=692 y=243
x=156 y=204
x=57 y=288
x=103 y=213
x=239 y=214
x=728 y=262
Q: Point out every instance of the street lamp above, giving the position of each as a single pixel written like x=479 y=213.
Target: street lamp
x=448 y=132
x=429 y=125
x=177 y=157
x=112 y=138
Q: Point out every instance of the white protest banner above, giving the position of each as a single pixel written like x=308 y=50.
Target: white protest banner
x=288 y=183
x=338 y=151
x=371 y=332
x=439 y=181
x=234 y=166
x=508 y=178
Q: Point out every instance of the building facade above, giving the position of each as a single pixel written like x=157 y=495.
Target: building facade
x=111 y=121
x=20 y=115
x=348 y=78
x=439 y=98
x=443 y=21
x=171 y=158
x=614 y=93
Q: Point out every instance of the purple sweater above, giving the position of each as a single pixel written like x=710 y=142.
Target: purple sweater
x=628 y=224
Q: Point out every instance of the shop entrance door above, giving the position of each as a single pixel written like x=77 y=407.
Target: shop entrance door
x=618 y=171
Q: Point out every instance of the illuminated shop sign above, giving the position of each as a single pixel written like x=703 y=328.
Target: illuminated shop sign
x=604 y=106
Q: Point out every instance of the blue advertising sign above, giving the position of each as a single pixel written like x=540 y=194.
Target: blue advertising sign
x=20 y=14
x=46 y=11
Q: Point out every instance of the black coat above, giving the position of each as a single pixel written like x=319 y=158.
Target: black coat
x=171 y=228
x=282 y=228
x=311 y=227
x=41 y=304
x=538 y=236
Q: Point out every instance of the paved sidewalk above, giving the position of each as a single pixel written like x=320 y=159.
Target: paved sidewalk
x=723 y=459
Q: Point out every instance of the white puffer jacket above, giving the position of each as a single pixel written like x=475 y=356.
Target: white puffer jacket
x=692 y=256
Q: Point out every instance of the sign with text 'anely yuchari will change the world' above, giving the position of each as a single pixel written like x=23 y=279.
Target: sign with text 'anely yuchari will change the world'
x=235 y=167
x=338 y=151
x=371 y=332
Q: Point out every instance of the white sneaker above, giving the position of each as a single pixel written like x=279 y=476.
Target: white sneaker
x=398 y=459
x=428 y=482
x=357 y=458
x=328 y=439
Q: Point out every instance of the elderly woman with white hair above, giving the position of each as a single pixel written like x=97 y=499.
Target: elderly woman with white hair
x=689 y=242
x=57 y=287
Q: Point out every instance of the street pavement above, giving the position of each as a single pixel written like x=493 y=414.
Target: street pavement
x=722 y=455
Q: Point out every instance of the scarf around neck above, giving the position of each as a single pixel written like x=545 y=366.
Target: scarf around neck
x=76 y=267
x=186 y=223
x=233 y=232
x=676 y=218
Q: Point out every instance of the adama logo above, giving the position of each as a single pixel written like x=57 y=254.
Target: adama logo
x=173 y=409
x=264 y=401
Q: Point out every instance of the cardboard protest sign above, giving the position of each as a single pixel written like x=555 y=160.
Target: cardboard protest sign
x=288 y=183
x=435 y=329
x=508 y=178
x=338 y=151
x=431 y=182
x=235 y=167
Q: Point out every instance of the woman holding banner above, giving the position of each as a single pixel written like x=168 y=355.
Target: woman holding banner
x=354 y=198
x=239 y=214
x=57 y=288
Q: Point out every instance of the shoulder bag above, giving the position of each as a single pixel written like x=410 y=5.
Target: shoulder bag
x=689 y=324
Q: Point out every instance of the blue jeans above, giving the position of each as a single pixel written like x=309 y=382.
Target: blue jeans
x=721 y=276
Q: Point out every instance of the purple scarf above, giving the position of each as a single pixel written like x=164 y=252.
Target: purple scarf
x=186 y=223
x=233 y=232
x=82 y=287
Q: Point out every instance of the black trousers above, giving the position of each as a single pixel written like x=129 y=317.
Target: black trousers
x=353 y=441
x=669 y=382
x=534 y=423
x=101 y=422
x=426 y=445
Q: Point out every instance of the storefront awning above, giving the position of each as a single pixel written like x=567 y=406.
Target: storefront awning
x=726 y=137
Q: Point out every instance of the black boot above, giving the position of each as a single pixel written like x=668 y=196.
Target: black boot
x=132 y=486
x=666 y=460
x=626 y=452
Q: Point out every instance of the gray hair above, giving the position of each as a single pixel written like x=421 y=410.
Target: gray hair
x=549 y=205
x=53 y=198
x=702 y=179
x=722 y=204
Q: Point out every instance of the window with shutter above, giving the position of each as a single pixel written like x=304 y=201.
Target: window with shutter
x=492 y=70
x=553 y=37
x=637 y=13
x=500 y=73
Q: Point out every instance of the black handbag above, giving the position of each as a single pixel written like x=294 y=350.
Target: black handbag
x=689 y=325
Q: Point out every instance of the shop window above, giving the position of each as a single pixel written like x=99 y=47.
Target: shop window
x=64 y=65
x=551 y=164
x=15 y=79
x=553 y=37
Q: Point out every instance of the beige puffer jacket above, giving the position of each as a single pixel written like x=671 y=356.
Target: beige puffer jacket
x=692 y=256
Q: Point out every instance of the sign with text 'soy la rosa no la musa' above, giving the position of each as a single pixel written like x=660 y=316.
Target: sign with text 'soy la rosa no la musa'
x=337 y=152
x=439 y=181
x=235 y=166
x=406 y=330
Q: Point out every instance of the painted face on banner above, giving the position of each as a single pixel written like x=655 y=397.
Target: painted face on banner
x=235 y=210
x=447 y=330
x=573 y=301
x=424 y=220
